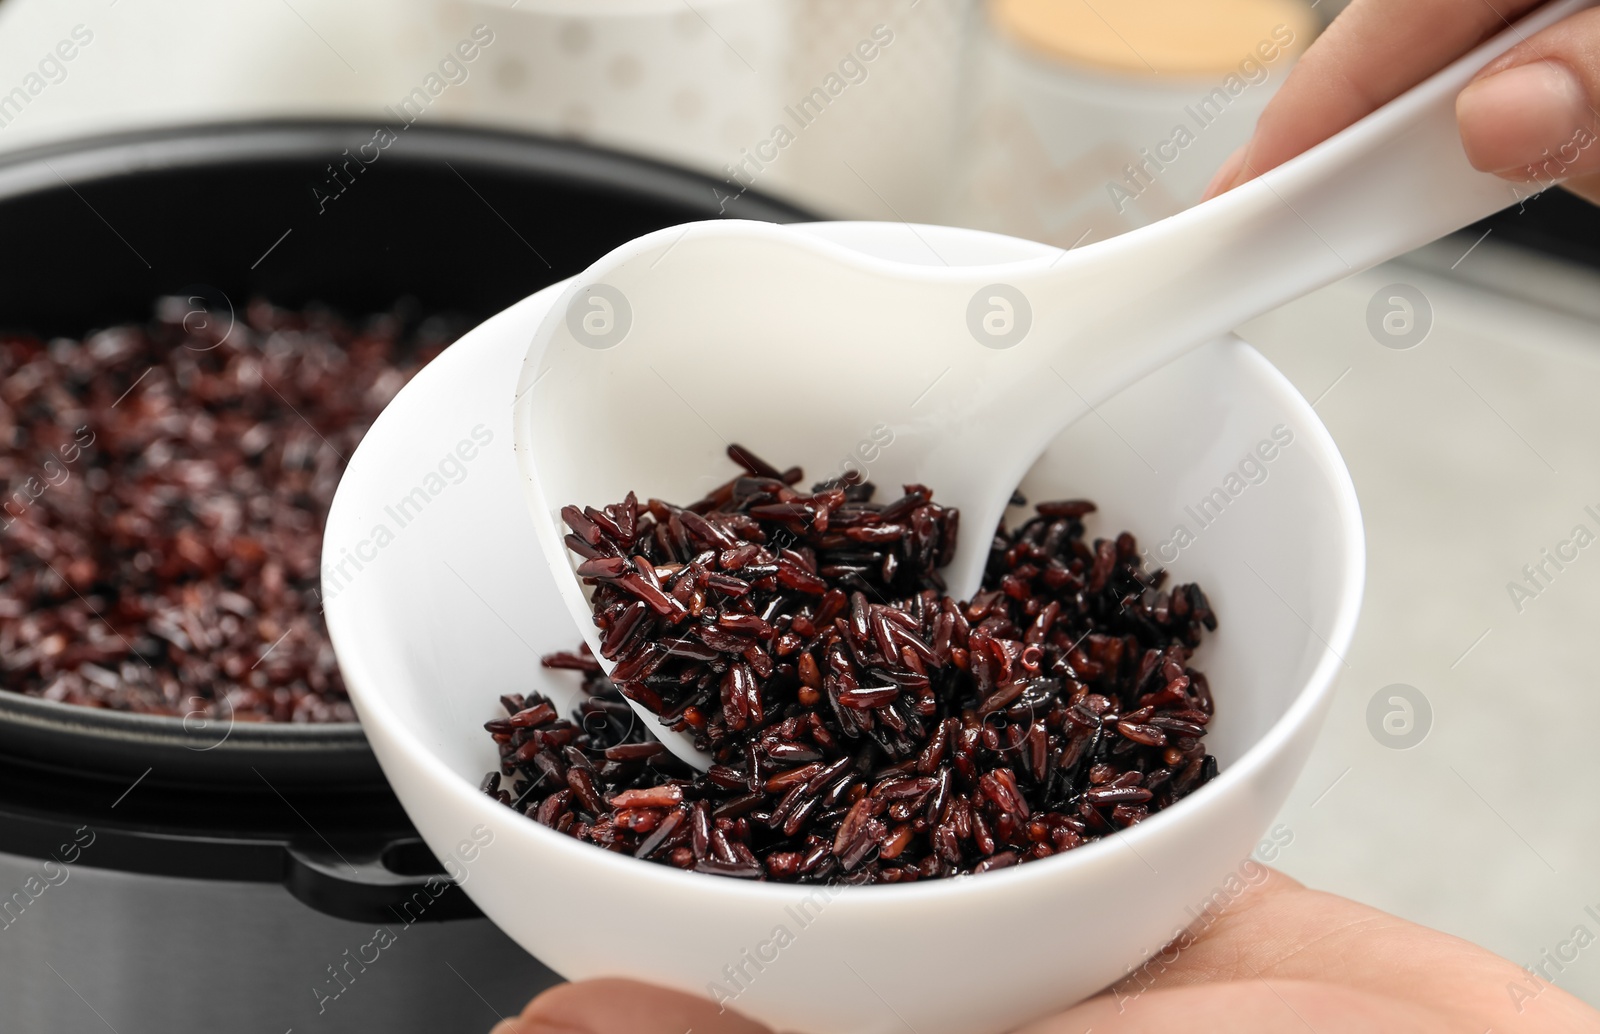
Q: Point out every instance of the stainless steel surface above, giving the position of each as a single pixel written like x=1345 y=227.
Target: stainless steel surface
x=84 y=948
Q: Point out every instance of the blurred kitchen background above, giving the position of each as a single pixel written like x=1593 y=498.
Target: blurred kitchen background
x=1457 y=800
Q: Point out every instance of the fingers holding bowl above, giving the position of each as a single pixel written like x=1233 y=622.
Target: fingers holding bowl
x=611 y=1006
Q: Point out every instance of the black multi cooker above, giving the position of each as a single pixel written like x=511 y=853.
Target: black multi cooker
x=162 y=875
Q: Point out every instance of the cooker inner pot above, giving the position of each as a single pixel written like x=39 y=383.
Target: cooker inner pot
x=452 y=221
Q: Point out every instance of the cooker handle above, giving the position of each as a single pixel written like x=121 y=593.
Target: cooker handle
x=390 y=881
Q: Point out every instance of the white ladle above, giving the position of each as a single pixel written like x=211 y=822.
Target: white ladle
x=686 y=340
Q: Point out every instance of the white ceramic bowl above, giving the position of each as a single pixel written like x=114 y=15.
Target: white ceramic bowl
x=438 y=602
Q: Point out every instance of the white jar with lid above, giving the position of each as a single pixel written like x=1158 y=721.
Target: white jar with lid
x=1087 y=120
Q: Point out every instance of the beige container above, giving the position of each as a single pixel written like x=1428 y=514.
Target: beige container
x=688 y=83
x=882 y=146
x=1081 y=126
x=847 y=106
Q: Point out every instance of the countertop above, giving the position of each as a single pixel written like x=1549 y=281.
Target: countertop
x=1472 y=453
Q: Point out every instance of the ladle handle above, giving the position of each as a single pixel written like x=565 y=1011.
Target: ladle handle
x=1392 y=182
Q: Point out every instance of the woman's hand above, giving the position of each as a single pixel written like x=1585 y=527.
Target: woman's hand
x=1530 y=116
x=1280 y=959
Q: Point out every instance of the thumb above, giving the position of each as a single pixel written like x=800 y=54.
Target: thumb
x=624 y=1007
x=1531 y=116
